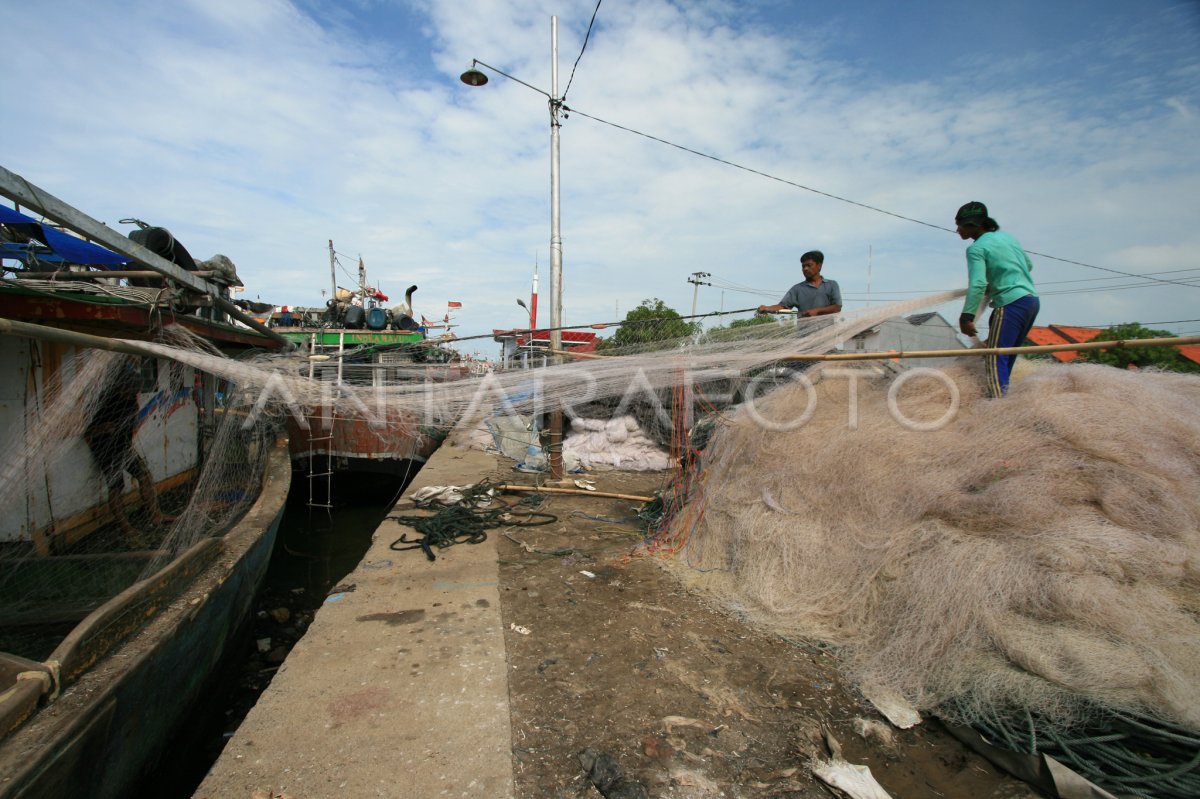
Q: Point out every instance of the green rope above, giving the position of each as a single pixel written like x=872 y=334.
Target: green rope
x=1124 y=753
x=465 y=522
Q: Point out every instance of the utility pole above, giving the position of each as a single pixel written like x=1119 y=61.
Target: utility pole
x=556 y=254
x=473 y=77
x=697 y=280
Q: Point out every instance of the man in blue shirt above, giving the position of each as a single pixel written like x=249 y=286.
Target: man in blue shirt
x=816 y=296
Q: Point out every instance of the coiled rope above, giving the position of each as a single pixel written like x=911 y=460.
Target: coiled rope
x=467 y=521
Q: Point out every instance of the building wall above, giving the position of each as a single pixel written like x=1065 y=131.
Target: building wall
x=899 y=334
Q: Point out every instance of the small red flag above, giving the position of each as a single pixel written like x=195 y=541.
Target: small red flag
x=454 y=305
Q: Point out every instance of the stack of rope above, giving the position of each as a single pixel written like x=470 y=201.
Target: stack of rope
x=466 y=516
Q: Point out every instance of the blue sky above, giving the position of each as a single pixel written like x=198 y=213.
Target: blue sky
x=261 y=129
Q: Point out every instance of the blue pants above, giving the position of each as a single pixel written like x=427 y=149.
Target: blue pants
x=1008 y=327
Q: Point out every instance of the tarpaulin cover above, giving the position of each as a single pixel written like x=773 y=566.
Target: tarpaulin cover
x=64 y=248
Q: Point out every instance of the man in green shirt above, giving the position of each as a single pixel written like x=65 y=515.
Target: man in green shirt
x=997 y=267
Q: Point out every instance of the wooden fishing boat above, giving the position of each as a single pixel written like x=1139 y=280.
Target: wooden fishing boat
x=356 y=342
x=112 y=618
x=95 y=715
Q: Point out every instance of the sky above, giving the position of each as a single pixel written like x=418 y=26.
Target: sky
x=263 y=129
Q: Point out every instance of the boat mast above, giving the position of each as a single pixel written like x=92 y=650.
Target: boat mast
x=332 y=272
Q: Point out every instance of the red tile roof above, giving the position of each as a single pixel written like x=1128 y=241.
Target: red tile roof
x=1058 y=334
x=1077 y=335
x=1065 y=334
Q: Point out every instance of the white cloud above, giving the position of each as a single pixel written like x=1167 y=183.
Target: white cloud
x=259 y=130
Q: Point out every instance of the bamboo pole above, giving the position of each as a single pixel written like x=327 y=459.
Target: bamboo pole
x=1032 y=350
x=1090 y=345
x=580 y=491
x=27 y=330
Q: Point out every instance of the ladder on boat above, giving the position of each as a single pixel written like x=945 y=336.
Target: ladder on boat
x=325 y=470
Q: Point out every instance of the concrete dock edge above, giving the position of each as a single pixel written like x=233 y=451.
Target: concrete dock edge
x=398 y=689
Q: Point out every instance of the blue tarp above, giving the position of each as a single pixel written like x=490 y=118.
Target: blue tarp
x=63 y=248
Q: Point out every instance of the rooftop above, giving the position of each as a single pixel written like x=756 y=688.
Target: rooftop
x=1063 y=334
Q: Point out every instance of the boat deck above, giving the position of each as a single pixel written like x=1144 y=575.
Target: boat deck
x=399 y=687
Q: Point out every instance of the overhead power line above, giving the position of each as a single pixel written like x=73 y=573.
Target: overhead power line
x=585 y=43
x=728 y=285
x=757 y=172
x=847 y=200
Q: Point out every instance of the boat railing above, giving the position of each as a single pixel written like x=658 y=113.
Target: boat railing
x=26 y=684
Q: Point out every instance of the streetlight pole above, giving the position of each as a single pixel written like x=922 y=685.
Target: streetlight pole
x=473 y=77
x=556 y=420
x=526 y=361
x=555 y=205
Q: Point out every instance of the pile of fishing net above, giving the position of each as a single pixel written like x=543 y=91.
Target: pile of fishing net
x=1037 y=554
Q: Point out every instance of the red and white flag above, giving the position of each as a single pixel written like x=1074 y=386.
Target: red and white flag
x=454 y=305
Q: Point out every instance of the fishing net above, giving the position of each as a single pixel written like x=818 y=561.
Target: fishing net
x=1028 y=558
x=113 y=470
x=1033 y=554
x=642 y=376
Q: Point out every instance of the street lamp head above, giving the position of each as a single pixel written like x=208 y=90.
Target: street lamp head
x=473 y=77
x=522 y=304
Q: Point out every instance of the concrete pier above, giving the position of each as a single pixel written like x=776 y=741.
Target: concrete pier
x=398 y=689
x=409 y=684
